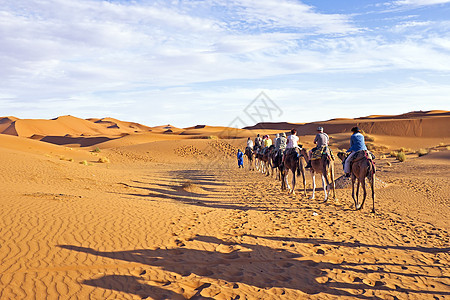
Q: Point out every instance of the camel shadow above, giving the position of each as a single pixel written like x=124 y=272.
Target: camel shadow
x=316 y=241
x=256 y=265
x=132 y=285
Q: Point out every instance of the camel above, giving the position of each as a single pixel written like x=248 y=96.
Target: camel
x=264 y=157
x=293 y=161
x=249 y=154
x=362 y=166
x=325 y=167
x=256 y=151
x=277 y=162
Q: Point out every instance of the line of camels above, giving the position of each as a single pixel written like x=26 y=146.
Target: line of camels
x=269 y=159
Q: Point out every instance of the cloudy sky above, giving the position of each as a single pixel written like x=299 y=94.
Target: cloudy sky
x=188 y=62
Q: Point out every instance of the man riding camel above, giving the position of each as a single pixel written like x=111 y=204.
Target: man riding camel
x=356 y=144
x=258 y=142
x=292 y=142
x=283 y=142
x=249 y=143
x=267 y=141
x=320 y=140
x=277 y=141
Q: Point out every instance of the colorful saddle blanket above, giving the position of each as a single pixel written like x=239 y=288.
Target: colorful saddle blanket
x=319 y=151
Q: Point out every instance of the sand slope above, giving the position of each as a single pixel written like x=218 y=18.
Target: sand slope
x=61 y=126
x=175 y=219
x=414 y=124
x=124 y=127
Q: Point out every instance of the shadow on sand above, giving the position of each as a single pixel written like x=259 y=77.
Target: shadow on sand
x=256 y=265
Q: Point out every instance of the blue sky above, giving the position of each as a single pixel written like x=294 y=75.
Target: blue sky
x=202 y=62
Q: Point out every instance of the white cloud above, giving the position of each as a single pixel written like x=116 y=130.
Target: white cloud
x=420 y=2
x=84 y=54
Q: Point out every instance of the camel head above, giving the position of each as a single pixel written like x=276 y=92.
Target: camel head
x=342 y=155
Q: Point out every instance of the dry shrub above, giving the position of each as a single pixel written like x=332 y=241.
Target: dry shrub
x=369 y=138
x=103 y=160
x=389 y=164
x=375 y=147
x=96 y=150
x=187 y=184
x=382 y=156
x=422 y=152
x=65 y=158
x=448 y=147
x=84 y=162
x=393 y=153
x=405 y=150
x=401 y=156
x=441 y=144
x=370 y=146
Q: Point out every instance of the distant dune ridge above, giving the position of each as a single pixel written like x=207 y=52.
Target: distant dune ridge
x=72 y=130
x=435 y=123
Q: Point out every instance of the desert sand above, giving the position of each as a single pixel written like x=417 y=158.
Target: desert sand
x=108 y=209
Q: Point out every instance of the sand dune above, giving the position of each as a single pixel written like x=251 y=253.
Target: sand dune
x=170 y=216
x=124 y=127
x=60 y=126
x=414 y=124
x=5 y=122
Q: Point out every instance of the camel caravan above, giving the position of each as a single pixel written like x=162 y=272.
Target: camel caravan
x=286 y=157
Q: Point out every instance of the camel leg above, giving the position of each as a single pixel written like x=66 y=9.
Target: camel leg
x=313 y=186
x=372 y=184
x=358 y=183
x=293 y=183
x=302 y=169
x=325 y=187
x=363 y=185
x=333 y=185
x=353 y=191
x=286 y=180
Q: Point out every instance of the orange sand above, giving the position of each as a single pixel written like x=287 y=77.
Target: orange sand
x=172 y=217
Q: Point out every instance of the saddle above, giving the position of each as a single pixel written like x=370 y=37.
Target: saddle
x=319 y=151
x=290 y=151
x=363 y=154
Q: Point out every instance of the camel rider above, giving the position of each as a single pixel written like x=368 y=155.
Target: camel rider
x=292 y=142
x=249 y=143
x=356 y=144
x=267 y=141
x=277 y=142
x=280 y=143
x=258 y=142
x=283 y=141
x=320 y=140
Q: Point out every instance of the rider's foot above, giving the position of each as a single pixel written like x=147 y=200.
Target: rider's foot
x=308 y=165
x=347 y=174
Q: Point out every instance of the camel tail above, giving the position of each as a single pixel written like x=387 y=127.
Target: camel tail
x=370 y=170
